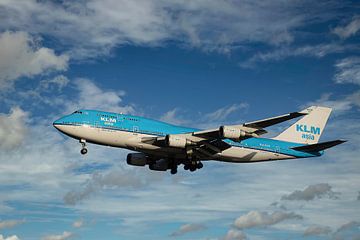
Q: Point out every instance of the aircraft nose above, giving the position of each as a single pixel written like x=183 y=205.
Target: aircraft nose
x=58 y=122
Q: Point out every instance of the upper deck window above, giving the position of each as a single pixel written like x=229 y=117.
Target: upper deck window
x=131 y=119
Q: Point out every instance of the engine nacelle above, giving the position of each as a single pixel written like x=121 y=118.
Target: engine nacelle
x=176 y=141
x=232 y=133
x=160 y=165
x=137 y=159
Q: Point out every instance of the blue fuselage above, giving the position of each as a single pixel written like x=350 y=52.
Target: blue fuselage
x=140 y=125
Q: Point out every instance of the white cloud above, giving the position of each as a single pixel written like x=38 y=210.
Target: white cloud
x=317 y=51
x=13 y=237
x=91 y=96
x=88 y=95
x=173 y=117
x=261 y=219
x=78 y=223
x=234 y=234
x=339 y=106
x=204 y=120
x=348 y=226
x=116 y=178
x=65 y=235
x=312 y=192
x=186 y=228
x=210 y=25
x=348 y=70
x=349 y=29
x=21 y=56
x=350 y=230
x=13 y=128
x=42 y=93
x=58 y=82
x=10 y=223
x=317 y=230
x=223 y=113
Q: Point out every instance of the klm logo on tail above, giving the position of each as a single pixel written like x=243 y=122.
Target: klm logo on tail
x=307 y=129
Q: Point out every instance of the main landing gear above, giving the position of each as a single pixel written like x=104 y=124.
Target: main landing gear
x=193 y=165
x=174 y=167
x=83 y=150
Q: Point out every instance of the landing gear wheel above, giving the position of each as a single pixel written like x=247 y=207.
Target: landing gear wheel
x=200 y=165
x=186 y=167
x=83 y=151
x=192 y=168
x=173 y=171
x=83 y=146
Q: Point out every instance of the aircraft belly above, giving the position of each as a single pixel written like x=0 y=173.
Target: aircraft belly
x=133 y=141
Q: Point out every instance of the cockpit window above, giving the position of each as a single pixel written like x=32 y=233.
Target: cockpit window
x=78 y=112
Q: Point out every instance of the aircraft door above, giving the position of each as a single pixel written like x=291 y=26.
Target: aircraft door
x=277 y=150
x=120 y=119
x=97 y=125
x=135 y=130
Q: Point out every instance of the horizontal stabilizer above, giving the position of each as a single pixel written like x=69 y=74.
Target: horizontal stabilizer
x=318 y=146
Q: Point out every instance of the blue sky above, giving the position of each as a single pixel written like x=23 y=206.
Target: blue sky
x=201 y=64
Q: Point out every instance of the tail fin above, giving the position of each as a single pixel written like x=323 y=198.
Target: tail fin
x=309 y=128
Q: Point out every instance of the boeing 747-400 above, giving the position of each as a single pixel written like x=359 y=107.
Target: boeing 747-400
x=164 y=146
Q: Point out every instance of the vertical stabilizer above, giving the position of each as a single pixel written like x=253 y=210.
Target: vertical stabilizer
x=309 y=128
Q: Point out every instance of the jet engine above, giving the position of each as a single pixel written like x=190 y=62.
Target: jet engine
x=233 y=133
x=160 y=165
x=137 y=159
x=176 y=141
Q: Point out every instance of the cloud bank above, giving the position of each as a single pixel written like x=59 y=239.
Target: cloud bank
x=348 y=30
x=348 y=70
x=312 y=192
x=13 y=128
x=208 y=25
x=22 y=56
x=13 y=237
x=186 y=228
x=65 y=235
x=261 y=219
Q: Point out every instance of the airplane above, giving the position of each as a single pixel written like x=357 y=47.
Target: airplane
x=163 y=146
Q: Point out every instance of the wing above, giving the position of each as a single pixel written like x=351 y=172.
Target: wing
x=209 y=142
x=254 y=129
x=274 y=120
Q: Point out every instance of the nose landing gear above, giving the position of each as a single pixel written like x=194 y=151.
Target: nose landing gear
x=83 y=150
